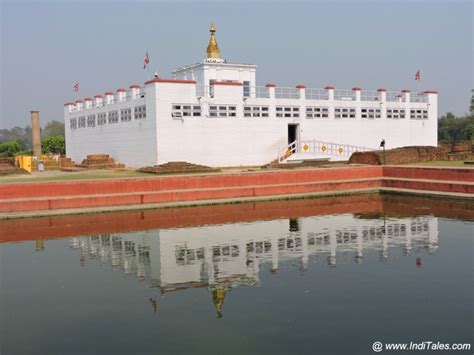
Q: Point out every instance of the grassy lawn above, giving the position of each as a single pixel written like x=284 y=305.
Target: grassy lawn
x=449 y=163
x=65 y=176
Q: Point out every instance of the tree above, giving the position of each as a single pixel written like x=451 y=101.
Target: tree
x=11 y=148
x=471 y=108
x=54 y=144
x=17 y=134
x=455 y=129
x=53 y=128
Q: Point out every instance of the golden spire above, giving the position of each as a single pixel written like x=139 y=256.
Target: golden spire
x=213 y=50
x=218 y=296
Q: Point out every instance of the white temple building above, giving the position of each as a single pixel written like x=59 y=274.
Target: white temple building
x=213 y=113
x=227 y=256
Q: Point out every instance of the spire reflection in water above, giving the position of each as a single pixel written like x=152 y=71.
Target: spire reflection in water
x=223 y=257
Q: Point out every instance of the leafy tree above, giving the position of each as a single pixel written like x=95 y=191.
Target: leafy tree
x=11 y=148
x=454 y=129
x=471 y=108
x=53 y=128
x=17 y=134
x=54 y=144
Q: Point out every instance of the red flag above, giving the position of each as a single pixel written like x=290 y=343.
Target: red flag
x=146 y=60
x=417 y=75
x=76 y=87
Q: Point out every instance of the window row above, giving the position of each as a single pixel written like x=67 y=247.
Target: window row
x=216 y=111
x=419 y=114
x=256 y=111
x=394 y=113
x=223 y=111
x=344 y=112
x=370 y=113
x=179 y=111
x=111 y=117
x=317 y=112
x=287 y=111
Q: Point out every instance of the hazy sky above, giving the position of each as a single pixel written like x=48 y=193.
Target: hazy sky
x=47 y=46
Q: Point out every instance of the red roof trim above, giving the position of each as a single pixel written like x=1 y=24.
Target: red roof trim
x=270 y=85
x=134 y=86
x=300 y=86
x=356 y=88
x=69 y=103
x=78 y=101
x=109 y=93
x=405 y=91
x=88 y=99
x=171 y=81
x=121 y=90
x=228 y=83
x=430 y=92
x=381 y=90
x=329 y=87
x=98 y=96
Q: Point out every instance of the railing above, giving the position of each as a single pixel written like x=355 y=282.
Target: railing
x=317 y=94
x=287 y=151
x=418 y=97
x=366 y=95
x=319 y=147
x=394 y=96
x=260 y=92
x=287 y=93
x=344 y=95
x=115 y=99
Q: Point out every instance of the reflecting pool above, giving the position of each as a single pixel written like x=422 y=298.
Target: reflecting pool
x=325 y=276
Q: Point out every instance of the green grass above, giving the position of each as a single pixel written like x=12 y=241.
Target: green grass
x=64 y=176
x=447 y=163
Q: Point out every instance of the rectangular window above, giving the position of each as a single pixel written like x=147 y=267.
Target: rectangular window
x=73 y=123
x=344 y=112
x=371 y=113
x=82 y=122
x=395 y=113
x=288 y=111
x=126 y=114
x=139 y=112
x=255 y=111
x=101 y=119
x=113 y=117
x=91 y=121
x=419 y=114
x=185 y=110
x=222 y=111
x=246 y=88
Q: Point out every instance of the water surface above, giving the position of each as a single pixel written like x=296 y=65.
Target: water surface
x=278 y=278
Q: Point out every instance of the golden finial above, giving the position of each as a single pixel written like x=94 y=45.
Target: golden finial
x=213 y=50
x=218 y=296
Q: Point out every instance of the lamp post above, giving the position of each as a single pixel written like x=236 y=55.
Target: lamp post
x=382 y=145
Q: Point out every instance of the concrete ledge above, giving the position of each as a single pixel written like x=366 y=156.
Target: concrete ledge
x=33 y=199
x=76 y=211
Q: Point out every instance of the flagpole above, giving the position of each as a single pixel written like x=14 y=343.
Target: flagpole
x=419 y=82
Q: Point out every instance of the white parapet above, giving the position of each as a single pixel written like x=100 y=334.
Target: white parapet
x=226 y=124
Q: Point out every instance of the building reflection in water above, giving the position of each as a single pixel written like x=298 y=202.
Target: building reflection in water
x=222 y=257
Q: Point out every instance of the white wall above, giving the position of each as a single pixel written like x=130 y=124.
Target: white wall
x=205 y=71
x=132 y=143
x=242 y=141
x=236 y=141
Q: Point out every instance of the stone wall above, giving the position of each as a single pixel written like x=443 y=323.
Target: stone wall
x=397 y=156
